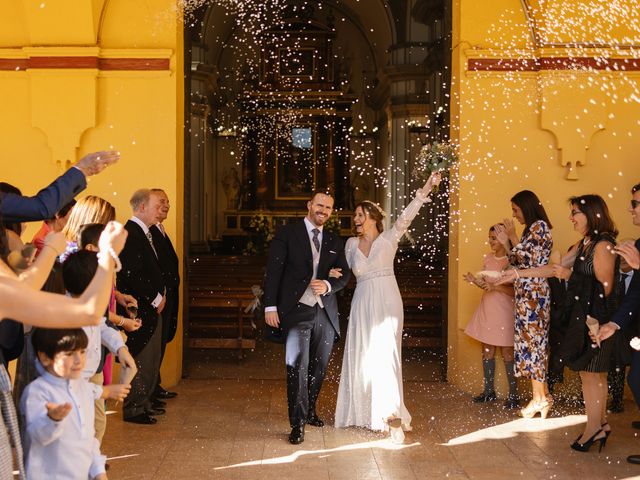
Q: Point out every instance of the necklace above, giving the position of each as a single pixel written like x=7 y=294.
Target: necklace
x=586 y=241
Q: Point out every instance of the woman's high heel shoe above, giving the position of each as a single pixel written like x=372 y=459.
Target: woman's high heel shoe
x=534 y=408
x=546 y=406
x=606 y=432
x=584 y=447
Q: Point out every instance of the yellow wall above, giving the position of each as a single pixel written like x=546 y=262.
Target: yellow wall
x=515 y=128
x=50 y=117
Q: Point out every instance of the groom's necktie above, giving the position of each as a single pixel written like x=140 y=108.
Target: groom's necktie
x=315 y=239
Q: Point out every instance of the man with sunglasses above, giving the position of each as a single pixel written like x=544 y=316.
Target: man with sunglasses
x=628 y=310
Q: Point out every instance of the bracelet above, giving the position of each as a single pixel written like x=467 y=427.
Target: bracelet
x=516 y=270
x=121 y=323
x=57 y=253
x=112 y=253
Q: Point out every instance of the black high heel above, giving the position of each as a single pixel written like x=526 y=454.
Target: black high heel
x=606 y=432
x=584 y=447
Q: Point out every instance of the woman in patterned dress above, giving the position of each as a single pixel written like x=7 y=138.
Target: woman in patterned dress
x=532 y=302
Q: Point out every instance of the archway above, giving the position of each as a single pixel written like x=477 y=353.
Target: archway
x=310 y=94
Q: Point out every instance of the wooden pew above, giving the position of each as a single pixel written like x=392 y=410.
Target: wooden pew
x=219 y=293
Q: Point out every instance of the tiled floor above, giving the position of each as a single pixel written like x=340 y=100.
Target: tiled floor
x=229 y=422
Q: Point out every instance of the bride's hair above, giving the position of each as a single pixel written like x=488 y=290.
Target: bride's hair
x=374 y=212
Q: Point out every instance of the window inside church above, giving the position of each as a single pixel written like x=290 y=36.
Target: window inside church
x=301 y=137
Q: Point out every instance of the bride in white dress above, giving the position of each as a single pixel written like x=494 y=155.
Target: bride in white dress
x=370 y=392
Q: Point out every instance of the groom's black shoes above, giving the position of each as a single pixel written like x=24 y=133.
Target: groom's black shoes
x=315 y=421
x=297 y=435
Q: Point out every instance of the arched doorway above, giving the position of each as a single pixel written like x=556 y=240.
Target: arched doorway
x=315 y=94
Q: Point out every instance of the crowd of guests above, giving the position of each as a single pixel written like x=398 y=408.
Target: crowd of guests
x=548 y=311
x=83 y=291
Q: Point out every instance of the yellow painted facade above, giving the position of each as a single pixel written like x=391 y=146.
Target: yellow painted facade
x=558 y=132
x=50 y=117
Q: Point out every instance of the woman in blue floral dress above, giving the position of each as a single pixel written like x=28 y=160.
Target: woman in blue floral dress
x=532 y=303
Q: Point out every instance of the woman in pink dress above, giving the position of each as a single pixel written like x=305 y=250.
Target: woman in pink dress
x=493 y=323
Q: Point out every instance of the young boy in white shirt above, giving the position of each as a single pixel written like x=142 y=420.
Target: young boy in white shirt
x=59 y=409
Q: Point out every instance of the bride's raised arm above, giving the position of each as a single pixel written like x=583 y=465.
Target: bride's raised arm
x=409 y=213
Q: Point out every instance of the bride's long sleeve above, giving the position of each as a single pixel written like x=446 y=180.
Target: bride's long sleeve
x=409 y=213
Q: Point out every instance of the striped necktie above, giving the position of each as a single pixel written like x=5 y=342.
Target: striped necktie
x=150 y=238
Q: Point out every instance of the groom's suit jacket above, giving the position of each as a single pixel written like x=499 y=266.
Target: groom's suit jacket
x=290 y=270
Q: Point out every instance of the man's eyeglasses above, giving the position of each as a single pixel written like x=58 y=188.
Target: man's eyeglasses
x=634 y=204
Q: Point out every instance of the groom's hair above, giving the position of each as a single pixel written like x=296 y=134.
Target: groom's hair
x=321 y=191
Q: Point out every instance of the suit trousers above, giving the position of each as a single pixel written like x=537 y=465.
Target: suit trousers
x=633 y=378
x=144 y=383
x=307 y=351
x=169 y=315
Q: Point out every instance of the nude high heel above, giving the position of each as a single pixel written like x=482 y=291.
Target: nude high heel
x=533 y=408
x=546 y=406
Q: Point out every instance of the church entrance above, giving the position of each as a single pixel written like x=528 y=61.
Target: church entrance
x=287 y=97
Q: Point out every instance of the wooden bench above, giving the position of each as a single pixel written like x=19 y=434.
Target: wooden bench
x=220 y=290
x=218 y=295
x=214 y=313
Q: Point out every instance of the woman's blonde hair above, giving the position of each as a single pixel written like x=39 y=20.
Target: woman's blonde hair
x=90 y=209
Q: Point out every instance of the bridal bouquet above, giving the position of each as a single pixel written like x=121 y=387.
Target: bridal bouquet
x=435 y=157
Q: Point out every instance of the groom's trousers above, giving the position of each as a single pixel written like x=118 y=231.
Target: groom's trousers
x=308 y=347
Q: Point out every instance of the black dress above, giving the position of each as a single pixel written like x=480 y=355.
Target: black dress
x=585 y=296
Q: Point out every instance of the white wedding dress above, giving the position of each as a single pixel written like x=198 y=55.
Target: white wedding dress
x=371 y=380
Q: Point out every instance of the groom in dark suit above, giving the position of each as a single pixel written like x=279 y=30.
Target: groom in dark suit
x=300 y=298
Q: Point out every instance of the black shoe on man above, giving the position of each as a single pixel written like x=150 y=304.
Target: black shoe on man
x=142 y=419
x=296 y=436
x=162 y=394
x=634 y=459
x=315 y=421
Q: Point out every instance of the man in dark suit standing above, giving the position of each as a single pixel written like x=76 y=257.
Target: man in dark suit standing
x=300 y=298
x=630 y=307
x=141 y=277
x=171 y=273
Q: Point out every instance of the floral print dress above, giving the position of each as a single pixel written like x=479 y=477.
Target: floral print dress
x=532 y=303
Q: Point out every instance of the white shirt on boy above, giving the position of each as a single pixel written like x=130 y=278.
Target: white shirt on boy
x=66 y=449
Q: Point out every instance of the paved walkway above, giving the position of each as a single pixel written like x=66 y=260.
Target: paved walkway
x=234 y=426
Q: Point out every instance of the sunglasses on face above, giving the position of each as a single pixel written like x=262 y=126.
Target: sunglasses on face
x=634 y=203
